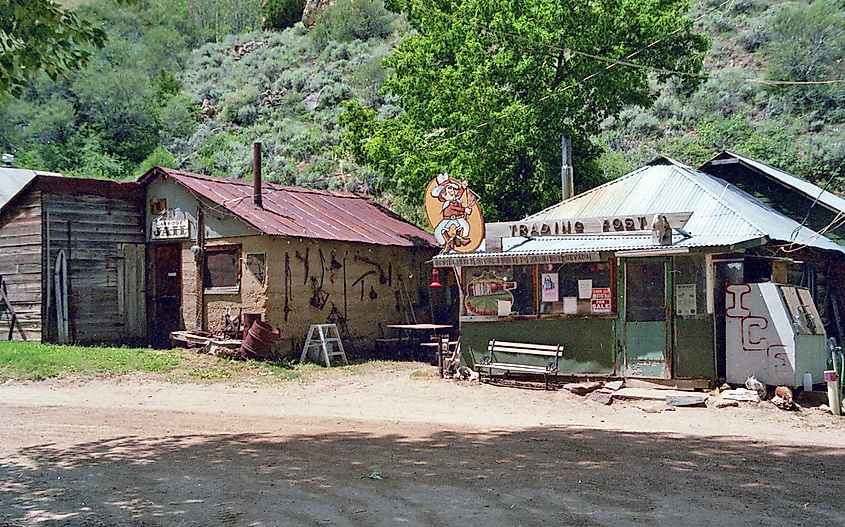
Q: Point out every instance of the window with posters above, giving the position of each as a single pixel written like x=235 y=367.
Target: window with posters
x=583 y=288
x=499 y=291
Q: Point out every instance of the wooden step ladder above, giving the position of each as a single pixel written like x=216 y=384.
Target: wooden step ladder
x=326 y=338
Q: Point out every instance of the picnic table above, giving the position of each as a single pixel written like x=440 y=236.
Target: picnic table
x=433 y=331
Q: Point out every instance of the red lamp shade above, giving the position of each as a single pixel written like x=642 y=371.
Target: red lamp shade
x=435 y=279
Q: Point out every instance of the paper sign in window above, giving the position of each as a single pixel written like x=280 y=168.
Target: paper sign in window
x=585 y=289
x=549 y=285
x=600 y=302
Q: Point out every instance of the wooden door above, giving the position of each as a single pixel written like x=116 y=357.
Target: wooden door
x=131 y=291
x=166 y=298
x=647 y=319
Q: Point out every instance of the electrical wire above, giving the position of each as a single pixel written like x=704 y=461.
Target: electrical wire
x=626 y=62
x=611 y=63
x=838 y=221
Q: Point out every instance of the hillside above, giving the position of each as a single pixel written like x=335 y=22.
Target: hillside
x=798 y=128
x=192 y=83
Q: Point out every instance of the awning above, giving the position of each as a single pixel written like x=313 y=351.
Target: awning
x=590 y=248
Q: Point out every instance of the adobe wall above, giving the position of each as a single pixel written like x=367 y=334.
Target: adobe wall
x=364 y=287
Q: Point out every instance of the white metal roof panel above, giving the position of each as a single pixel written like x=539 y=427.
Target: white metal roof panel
x=14 y=180
x=541 y=249
x=719 y=208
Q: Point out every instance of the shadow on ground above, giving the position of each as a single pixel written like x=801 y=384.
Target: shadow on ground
x=543 y=476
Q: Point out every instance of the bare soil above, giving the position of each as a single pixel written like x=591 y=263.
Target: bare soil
x=139 y=450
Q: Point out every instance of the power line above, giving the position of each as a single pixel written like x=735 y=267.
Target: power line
x=656 y=69
x=526 y=105
x=611 y=63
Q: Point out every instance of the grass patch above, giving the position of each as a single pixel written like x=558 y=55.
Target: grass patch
x=32 y=361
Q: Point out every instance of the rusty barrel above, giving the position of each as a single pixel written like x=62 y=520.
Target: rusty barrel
x=259 y=340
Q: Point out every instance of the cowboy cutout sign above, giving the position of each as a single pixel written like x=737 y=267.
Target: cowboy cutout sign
x=452 y=209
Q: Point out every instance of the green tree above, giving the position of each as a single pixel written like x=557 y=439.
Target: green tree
x=280 y=14
x=38 y=35
x=488 y=87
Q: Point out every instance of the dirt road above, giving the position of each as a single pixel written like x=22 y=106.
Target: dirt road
x=141 y=451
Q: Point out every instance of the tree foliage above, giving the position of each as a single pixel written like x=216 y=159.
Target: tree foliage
x=488 y=87
x=104 y=119
x=38 y=35
x=281 y=14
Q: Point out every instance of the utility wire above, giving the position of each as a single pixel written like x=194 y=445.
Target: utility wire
x=626 y=62
x=611 y=63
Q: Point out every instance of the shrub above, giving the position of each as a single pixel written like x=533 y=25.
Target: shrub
x=281 y=14
x=644 y=124
x=179 y=117
x=241 y=107
x=751 y=39
x=351 y=20
x=159 y=158
x=808 y=44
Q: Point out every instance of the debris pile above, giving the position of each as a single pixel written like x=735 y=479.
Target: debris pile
x=272 y=98
x=239 y=50
x=257 y=343
x=753 y=392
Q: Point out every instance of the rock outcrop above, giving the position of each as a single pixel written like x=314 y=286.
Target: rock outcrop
x=312 y=8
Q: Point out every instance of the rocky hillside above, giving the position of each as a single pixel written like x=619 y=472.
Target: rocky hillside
x=192 y=83
x=800 y=128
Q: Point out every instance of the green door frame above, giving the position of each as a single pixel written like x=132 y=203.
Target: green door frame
x=668 y=322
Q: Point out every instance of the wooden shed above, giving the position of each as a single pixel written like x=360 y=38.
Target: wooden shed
x=71 y=258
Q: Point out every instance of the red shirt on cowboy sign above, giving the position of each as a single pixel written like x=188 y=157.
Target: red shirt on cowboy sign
x=454 y=208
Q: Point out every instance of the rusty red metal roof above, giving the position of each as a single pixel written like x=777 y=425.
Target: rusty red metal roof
x=302 y=212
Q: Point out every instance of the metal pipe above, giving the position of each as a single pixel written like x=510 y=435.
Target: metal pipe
x=256 y=175
x=833 y=393
x=567 y=181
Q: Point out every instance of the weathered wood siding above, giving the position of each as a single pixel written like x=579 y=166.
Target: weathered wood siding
x=93 y=230
x=20 y=264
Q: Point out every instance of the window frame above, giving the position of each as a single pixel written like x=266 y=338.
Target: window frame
x=612 y=270
x=537 y=271
x=226 y=289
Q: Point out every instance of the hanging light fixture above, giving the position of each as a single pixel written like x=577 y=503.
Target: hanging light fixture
x=435 y=279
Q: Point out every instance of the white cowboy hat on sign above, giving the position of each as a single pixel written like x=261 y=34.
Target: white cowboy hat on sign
x=443 y=181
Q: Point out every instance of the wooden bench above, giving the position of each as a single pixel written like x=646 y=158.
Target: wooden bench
x=491 y=362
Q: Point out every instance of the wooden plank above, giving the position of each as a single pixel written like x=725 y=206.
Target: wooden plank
x=686 y=400
x=524 y=351
x=506 y=366
x=20 y=268
x=525 y=345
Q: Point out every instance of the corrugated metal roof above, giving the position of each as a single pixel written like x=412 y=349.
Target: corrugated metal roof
x=810 y=190
x=719 y=208
x=542 y=249
x=722 y=216
x=306 y=213
x=14 y=180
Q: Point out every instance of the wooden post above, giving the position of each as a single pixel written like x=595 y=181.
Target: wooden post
x=200 y=271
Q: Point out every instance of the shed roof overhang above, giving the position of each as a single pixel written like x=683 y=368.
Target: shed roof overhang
x=589 y=248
